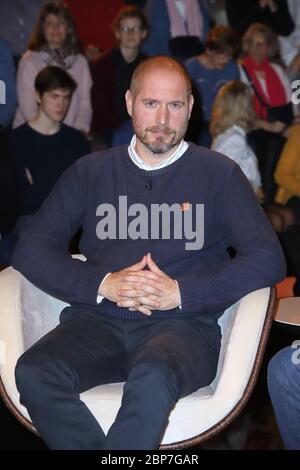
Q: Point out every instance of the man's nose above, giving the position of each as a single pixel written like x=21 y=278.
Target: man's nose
x=162 y=116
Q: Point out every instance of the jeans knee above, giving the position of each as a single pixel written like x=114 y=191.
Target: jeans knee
x=281 y=369
x=26 y=373
x=36 y=376
x=157 y=375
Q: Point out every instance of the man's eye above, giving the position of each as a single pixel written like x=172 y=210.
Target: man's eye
x=150 y=104
x=175 y=105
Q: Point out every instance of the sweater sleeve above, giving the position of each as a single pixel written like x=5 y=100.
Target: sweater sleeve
x=42 y=253
x=258 y=263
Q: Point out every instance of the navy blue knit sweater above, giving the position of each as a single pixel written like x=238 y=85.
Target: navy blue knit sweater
x=209 y=280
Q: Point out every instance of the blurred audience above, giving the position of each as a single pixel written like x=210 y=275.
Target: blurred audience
x=54 y=42
x=271 y=89
x=43 y=148
x=17 y=22
x=233 y=117
x=209 y=71
x=178 y=28
x=113 y=70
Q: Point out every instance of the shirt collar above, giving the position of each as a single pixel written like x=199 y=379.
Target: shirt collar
x=182 y=147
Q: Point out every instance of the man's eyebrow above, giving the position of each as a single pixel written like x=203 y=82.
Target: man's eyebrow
x=176 y=102
x=169 y=102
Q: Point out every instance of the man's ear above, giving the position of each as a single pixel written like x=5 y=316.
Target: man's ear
x=128 y=98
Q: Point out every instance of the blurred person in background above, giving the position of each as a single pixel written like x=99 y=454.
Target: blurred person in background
x=54 y=42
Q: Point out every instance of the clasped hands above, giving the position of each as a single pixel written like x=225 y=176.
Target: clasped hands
x=142 y=289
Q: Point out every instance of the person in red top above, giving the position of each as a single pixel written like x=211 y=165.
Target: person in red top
x=271 y=91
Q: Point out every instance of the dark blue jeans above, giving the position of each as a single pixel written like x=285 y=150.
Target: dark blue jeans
x=160 y=361
x=284 y=389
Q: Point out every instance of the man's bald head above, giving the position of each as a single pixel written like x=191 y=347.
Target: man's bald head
x=159 y=64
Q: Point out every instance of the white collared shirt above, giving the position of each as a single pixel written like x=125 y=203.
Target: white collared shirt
x=182 y=147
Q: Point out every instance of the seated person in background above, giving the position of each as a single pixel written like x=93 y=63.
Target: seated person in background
x=233 y=117
x=113 y=70
x=54 y=42
x=272 y=91
x=287 y=174
x=145 y=304
x=44 y=147
x=178 y=28
x=284 y=389
x=209 y=71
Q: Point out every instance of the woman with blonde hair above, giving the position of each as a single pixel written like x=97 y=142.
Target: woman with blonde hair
x=54 y=42
x=271 y=92
x=233 y=117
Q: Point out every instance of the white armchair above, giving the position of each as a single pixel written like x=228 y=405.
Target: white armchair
x=27 y=313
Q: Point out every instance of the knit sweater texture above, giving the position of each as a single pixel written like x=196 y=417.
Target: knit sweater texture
x=209 y=279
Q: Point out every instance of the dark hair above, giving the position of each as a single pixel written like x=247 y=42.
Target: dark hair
x=222 y=39
x=38 y=40
x=53 y=78
x=130 y=11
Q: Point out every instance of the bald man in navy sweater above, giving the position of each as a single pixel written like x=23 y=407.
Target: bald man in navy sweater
x=157 y=218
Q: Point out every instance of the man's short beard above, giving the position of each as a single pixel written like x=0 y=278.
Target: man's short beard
x=158 y=146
